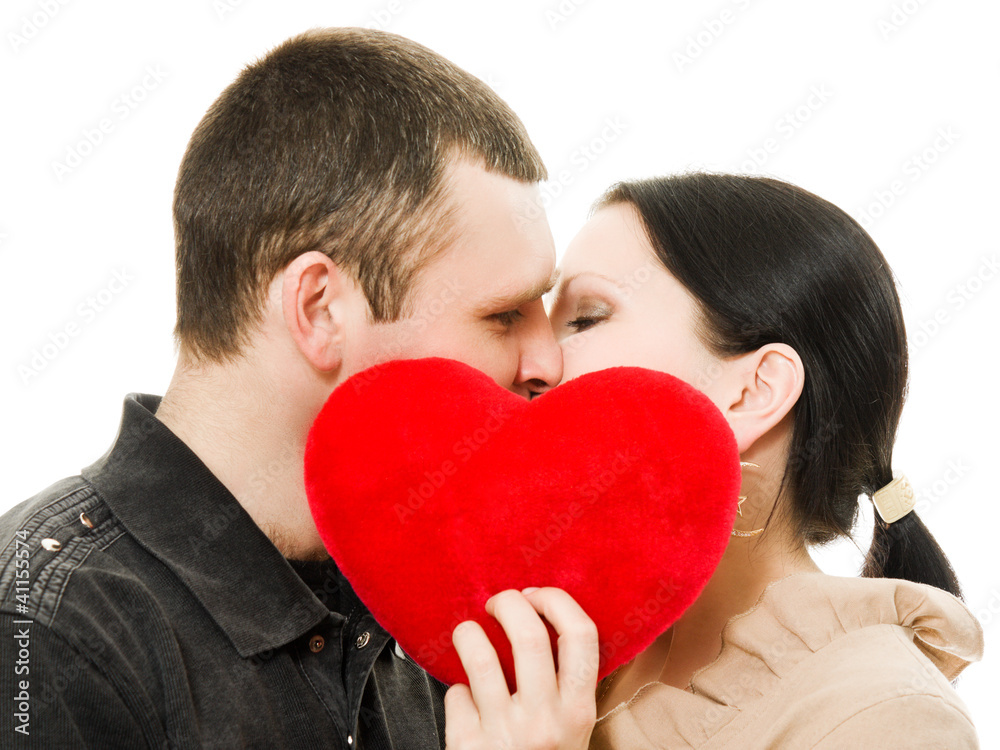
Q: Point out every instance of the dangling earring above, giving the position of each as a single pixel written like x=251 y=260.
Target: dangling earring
x=739 y=507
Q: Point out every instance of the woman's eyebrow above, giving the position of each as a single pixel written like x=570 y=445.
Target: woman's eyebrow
x=569 y=280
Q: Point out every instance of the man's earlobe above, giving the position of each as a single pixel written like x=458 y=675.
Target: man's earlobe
x=769 y=385
x=312 y=301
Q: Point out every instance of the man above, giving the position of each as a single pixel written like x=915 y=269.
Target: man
x=351 y=198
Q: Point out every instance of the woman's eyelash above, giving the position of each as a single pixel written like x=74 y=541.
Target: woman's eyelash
x=583 y=323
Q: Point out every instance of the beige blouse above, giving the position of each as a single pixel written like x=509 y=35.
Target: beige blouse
x=819 y=662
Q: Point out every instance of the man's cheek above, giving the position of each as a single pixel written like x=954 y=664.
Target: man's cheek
x=498 y=360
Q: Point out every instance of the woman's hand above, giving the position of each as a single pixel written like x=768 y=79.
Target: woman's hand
x=548 y=710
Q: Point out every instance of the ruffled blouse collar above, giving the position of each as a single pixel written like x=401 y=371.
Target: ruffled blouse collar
x=801 y=614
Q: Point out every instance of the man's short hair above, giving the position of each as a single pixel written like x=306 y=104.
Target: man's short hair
x=339 y=141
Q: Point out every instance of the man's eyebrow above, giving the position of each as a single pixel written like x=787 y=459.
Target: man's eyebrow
x=514 y=301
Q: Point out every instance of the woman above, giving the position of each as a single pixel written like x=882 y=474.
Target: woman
x=781 y=309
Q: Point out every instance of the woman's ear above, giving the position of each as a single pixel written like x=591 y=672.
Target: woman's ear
x=314 y=302
x=766 y=385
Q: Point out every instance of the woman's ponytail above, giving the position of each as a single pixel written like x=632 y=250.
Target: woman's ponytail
x=906 y=549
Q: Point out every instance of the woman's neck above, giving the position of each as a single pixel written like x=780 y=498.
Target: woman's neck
x=694 y=641
x=745 y=571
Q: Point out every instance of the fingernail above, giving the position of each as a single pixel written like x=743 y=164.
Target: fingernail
x=529 y=590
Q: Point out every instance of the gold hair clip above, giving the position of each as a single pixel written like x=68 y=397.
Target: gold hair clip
x=894 y=500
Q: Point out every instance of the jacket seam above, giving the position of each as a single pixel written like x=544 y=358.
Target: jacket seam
x=65 y=584
x=38 y=511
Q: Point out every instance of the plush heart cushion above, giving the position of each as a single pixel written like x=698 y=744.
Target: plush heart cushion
x=433 y=488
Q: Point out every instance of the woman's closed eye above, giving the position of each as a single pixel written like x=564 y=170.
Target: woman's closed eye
x=589 y=316
x=583 y=323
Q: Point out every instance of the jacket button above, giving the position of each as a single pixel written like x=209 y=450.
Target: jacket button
x=52 y=545
x=316 y=644
x=363 y=640
x=85 y=520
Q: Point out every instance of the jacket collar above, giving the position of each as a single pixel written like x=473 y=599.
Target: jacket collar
x=183 y=515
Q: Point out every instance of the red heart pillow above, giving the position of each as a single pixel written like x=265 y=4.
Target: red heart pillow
x=433 y=488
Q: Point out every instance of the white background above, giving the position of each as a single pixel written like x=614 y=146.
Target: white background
x=843 y=98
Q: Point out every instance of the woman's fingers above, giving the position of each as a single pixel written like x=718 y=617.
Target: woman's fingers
x=486 y=680
x=461 y=718
x=579 y=655
x=534 y=668
x=548 y=711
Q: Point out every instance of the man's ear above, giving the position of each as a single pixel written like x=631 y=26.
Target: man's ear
x=766 y=384
x=314 y=302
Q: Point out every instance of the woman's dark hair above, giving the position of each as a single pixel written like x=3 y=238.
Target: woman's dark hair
x=770 y=262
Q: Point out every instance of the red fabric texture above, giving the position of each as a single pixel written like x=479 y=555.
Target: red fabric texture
x=433 y=488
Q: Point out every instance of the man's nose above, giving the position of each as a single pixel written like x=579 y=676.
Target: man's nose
x=541 y=362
